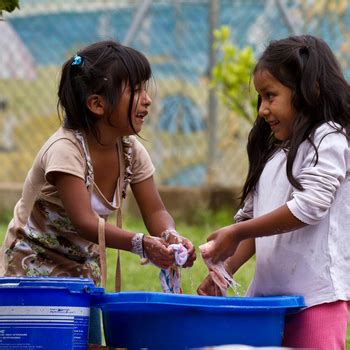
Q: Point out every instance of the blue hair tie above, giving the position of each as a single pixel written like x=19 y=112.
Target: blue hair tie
x=77 y=60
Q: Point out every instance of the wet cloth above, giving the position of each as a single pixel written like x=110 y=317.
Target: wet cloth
x=217 y=272
x=170 y=279
x=40 y=240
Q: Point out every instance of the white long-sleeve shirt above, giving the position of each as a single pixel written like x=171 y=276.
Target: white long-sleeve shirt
x=313 y=261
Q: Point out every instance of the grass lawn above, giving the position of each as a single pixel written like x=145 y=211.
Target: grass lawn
x=145 y=278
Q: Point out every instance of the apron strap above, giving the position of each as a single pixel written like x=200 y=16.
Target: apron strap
x=102 y=250
x=118 y=275
x=101 y=222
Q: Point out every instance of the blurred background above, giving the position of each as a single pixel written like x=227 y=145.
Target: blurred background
x=201 y=52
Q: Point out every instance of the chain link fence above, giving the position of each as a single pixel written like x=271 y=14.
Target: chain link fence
x=193 y=140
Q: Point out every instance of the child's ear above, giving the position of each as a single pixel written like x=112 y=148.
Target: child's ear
x=96 y=104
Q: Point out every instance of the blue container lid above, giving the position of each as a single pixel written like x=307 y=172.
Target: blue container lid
x=75 y=285
x=132 y=298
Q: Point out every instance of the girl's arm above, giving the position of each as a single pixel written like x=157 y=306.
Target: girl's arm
x=155 y=216
x=76 y=201
x=227 y=239
x=245 y=251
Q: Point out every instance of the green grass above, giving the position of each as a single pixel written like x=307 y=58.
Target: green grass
x=145 y=278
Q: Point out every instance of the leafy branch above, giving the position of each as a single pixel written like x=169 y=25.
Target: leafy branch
x=8 y=5
x=232 y=73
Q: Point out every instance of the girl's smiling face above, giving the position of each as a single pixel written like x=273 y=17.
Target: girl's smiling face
x=140 y=109
x=276 y=104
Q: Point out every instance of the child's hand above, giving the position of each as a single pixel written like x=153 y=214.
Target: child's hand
x=157 y=251
x=173 y=237
x=225 y=243
x=209 y=287
x=191 y=252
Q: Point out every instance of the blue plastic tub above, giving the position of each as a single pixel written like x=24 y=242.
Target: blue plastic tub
x=167 y=321
x=45 y=313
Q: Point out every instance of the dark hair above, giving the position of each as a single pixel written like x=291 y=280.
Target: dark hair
x=320 y=94
x=103 y=68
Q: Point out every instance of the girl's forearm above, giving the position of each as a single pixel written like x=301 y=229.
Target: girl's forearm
x=245 y=251
x=115 y=237
x=118 y=238
x=278 y=221
x=159 y=222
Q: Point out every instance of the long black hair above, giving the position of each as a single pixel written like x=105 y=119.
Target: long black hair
x=103 y=68
x=320 y=94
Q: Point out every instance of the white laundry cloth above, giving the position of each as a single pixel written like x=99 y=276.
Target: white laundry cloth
x=170 y=279
x=218 y=272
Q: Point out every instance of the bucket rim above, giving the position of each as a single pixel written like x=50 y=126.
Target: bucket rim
x=135 y=297
x=73 y=284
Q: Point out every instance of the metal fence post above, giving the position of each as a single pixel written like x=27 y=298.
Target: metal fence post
x=214 y=6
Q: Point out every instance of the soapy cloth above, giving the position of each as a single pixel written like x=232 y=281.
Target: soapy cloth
x=170 y=279
x=217 y=271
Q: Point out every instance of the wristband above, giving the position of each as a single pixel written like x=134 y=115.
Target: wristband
x=165 y=234
x=137 y=244
x=143 y=247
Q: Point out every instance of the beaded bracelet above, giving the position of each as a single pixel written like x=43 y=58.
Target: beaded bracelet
x=137 y=244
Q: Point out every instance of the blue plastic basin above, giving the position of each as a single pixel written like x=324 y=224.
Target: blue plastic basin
x=157 y=321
